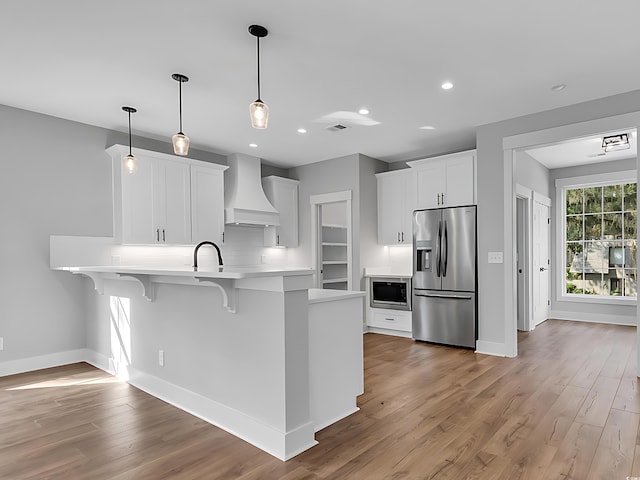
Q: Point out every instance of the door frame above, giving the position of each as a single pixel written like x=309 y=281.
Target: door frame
x=316 y=233
x=528 y=140
x=524 y=194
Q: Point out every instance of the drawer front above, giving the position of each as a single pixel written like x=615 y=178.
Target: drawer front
x=394 y=321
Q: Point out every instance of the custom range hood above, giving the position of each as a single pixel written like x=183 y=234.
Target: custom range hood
x=244 y=200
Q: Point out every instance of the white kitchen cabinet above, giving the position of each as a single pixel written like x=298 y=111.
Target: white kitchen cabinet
x=396 y=202
x=445 y=181
x=283 y=195
x=207 y=202
x=156 y=204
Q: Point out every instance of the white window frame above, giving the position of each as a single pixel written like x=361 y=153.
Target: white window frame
x=562 y=184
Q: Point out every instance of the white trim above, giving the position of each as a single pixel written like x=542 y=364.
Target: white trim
x=491 y=348
x=625 y=176
x=526 y=194
x=14 y=367
x=542 y=199
x=629 y=320
x=281 y=444
x=575 y=130
x=316 y=202
x=510 y=292
x=387 y=331
x=562 y=184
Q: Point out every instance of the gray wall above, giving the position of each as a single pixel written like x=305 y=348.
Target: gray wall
x=492 y=282
x=56 y=180
x=532 y=174
x=356 y=173
x=577 y=308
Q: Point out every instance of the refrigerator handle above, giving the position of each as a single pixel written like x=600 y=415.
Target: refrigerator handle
x=446 y=250
x=438 y=248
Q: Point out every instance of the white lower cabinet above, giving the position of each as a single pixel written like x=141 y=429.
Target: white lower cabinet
x=390 y=319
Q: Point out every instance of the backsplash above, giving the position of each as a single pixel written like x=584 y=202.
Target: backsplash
x=243 y=246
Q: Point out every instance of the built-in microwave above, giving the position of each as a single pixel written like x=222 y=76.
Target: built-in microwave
x=390 y=292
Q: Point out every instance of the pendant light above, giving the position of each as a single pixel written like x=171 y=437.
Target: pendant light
x=130 y=162
x=258 y=110
x=180 y=140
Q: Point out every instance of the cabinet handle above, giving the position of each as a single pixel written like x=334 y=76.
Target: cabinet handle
x=398 y=237
x=164 y=239
x=438 y=199
x=390 y=319
x=157 y=235
x=443 y=199
x=277 y=239
x=403 y=236
x=222 y=237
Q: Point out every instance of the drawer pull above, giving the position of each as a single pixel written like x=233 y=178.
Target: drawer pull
x=390 y=319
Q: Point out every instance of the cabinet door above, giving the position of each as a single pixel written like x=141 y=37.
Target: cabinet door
x=173 y=217
x=138 y=203
x=283 y=195
x=207 y=204
x=391 y=201
x=431 y=185
x=459 y=190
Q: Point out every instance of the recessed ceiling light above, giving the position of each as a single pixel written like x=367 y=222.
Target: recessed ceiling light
x=447 y=86
x=363 y=111
x=302 y=130
x=253 y=145
x=557 y=88
x=427 y=127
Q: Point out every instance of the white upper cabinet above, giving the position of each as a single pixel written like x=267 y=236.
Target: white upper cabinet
x=207 y=203
x=283 y=195
x=396 y=202
x=445 y=181
x=168 y=200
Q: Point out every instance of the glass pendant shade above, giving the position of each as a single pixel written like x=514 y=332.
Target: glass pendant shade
x=130 y=163
x=259 y=113
x=180 y=144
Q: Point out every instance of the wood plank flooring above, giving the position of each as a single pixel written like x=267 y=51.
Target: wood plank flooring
x=567 y=408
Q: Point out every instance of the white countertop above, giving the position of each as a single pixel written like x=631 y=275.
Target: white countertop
x=386 y=272
x=231 y=272
x=317 y=295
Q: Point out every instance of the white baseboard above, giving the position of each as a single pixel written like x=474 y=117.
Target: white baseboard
x=491 y=348
x=13 y=367
x=594 y=317
x=282 y=445
x=386 y=331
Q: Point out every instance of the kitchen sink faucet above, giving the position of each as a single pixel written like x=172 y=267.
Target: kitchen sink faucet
x=195 y=254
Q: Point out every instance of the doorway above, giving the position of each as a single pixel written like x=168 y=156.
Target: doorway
x=541 y=272
x=523 y=197
x=332 y=246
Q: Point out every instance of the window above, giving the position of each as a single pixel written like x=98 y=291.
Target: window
x=600 y=240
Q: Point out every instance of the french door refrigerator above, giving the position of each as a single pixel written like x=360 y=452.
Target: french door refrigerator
x=444 y=276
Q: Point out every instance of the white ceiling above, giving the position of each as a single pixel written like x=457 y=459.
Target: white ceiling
x=83 y=61
x=582 y=151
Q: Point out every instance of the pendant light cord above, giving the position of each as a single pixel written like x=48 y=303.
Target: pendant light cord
x=130 y=153
x=258 y=48
x=180 y=85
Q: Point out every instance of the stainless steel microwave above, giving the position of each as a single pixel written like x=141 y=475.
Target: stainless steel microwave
x=390 y=292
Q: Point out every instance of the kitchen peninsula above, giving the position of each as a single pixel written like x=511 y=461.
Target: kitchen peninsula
x=231 y=345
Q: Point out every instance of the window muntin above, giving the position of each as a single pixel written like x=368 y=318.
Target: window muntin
x=601 y=240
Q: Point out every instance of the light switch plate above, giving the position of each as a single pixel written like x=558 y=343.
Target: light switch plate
x=495 y=257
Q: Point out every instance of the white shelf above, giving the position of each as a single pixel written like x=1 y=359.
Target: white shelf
x=334 y=262
x=333 y=244
x=334 y=226
x=334 y=280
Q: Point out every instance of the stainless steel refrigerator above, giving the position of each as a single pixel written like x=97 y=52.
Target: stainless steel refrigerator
x=444 y=276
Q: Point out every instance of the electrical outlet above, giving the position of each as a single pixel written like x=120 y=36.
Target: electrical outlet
x=263 y=259
x=161 y=358
x=495 y=257
x=115 y=259
x=1 y=343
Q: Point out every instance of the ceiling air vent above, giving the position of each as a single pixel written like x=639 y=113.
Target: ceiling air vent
x=336 y=128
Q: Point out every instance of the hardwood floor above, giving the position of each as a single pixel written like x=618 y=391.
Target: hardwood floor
x=567 y=408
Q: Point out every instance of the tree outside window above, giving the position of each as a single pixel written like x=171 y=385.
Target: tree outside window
x=601 y=240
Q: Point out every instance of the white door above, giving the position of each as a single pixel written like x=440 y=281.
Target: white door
x=541 y=261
